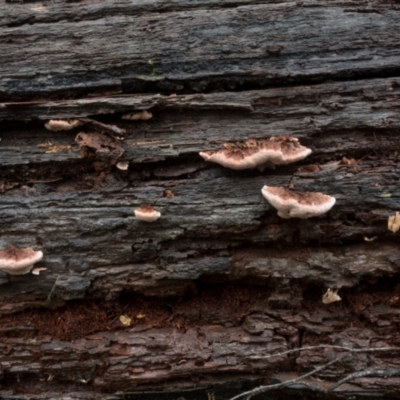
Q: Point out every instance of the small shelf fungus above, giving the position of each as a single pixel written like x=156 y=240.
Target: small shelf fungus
x=62 y=124
x=292 y=204
x=142 y=115
x=123 y=165
x=18 y=261
x=331 y=296
x=279 y=150
x=147 y=213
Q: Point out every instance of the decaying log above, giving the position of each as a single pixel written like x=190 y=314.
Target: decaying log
x=175 y=45
x=219 y=282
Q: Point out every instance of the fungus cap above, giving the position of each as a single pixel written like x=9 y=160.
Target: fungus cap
x=292 y=204
x=280 y=150
x=123 y=165
x=330 y=296
x=147 y=213
x=18 y=261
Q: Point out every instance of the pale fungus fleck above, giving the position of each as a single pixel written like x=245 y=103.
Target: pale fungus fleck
x=280 y=150
x=142 y=115
x=394 y=222
x=331 y=296
x=147 y=213
x=19 y=261
x=36 y=271
x=62 y=124
x=291 y=204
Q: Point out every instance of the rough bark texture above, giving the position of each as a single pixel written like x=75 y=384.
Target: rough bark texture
x=219 y=280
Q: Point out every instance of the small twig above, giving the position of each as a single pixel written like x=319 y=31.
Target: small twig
x=110 y=129
x=52 y=290
x=48 y=181
x=328 y=346
x=261 y=389
x=372 y=372
x=385 y=373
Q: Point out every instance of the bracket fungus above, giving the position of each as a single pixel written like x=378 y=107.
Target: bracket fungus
x=279 y=150
x=18 y=261
x=330 y=296
x=123 y=165
x=62 y=124
x=292 y=204
x=147 y=213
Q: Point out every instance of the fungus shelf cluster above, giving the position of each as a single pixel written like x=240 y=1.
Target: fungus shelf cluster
x=280 y=150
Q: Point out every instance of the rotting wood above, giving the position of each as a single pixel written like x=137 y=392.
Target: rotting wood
x=108 y=46
x=360 y=116
x=216 y=229
x=202 y=338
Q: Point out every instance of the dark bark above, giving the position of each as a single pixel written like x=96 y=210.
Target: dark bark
x=175 y=46
x=216 y=230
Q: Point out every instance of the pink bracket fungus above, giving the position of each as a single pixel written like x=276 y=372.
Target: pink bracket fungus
x=292 y=204
x=331 y=296
x=279 y=150
x=18 y=261
x=147 y=213
x=123 y=165
x=62 y=124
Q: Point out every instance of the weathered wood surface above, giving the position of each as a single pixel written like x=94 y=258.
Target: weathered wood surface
x=217 y=228
x=213 y=208
x=158 y=45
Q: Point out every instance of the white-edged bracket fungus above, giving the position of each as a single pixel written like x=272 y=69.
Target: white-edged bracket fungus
x=18 y=261
x=330 y=296
x=123 y=165
x=292 y=204
x=147 y=213
x=142 y=115
x=62 y=124
x=279 y=150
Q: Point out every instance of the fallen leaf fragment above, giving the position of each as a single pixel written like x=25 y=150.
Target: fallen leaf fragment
x=394 y=222
x=330 y=296
x=348 y=161
x=126 y=321
x=168 y=193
